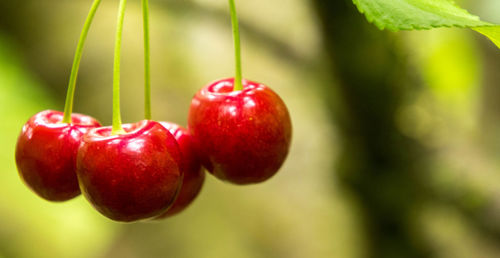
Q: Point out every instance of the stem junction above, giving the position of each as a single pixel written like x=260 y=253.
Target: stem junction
x=238 y=84
x=117 y=120
x=147 y=61
x=68 y=106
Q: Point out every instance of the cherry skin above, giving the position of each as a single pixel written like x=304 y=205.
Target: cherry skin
x=194 y=176
x=131 y=176
x=46 y=153
x=242 y=136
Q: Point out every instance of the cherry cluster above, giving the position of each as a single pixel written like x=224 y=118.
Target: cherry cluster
x=238 y=130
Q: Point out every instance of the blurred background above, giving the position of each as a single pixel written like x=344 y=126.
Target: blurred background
x=396 y=148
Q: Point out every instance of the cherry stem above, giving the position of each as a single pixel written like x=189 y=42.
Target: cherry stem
x=117 y=120
x=68 y=106
x=238 y=84
x=147 y=61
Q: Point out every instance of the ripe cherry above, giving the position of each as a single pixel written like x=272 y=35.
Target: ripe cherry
x=130 y=172
x=194 y=176
x=130 y=176
x=242 y=136
x=46 y=153
x=47 y=147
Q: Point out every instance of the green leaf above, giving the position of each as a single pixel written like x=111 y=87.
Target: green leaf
x=493 y=33
x=423 y=14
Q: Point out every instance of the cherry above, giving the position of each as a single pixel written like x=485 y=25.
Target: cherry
x=194 y=176
x=130 y=176
x=242 y=129
x=47 y=146
x=242 y=136
x=46 y=153
x=129 y=172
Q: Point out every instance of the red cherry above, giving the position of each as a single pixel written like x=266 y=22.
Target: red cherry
x=131 y=176
x=46 y=153
x=194 y=176
x=241 y=136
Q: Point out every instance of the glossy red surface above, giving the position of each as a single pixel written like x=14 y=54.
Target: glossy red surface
x=194 y=176
x=46 y=153
x=131 y=176
x=241 y=136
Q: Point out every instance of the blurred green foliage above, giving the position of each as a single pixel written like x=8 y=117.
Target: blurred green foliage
x=32 y=228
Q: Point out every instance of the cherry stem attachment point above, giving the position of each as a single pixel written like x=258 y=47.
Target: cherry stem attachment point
x=117 y=121
x=68 y=106
x=238 y=84
x=147 y=61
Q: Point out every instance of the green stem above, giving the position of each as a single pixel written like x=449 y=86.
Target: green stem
x=238 y=85
x=68 y=106
x=117 y=120
x=147 y=61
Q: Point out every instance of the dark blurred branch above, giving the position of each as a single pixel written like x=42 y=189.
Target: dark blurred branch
x=483 y=217
x=277 y=46
x=481 y=210
x=380 y=167
x=18 y=21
